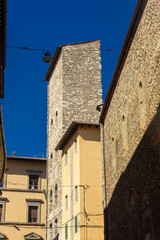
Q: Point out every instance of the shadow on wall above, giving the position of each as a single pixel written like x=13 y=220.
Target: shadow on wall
x=134 y=209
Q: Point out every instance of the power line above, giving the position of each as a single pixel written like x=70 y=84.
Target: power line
x=45 y=50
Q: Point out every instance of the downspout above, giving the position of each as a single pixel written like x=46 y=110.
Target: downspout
x=105 y=212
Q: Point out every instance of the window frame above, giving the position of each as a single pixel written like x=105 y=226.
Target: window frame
x=34 y=203
x=3 y=203
x=36 y=173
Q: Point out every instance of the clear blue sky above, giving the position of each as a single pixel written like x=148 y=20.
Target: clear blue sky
x=45 y=25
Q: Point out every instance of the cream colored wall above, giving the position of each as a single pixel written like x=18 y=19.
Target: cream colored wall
x=16 y=194
x=14 y=234
x=86 y=171
x=17 y=176
x=91 y=177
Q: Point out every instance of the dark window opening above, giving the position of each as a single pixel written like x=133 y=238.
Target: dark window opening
x=33 y=214
x=33 y=181
x=140 y=84
x=1 y=209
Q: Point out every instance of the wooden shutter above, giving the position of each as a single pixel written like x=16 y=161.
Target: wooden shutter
x=33 y=213
x=76 y=225
x=66 y=231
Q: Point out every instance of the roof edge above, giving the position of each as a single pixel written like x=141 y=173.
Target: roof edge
x=137 y=15
x=26 y=158
x=57 y=54
x=70 y=131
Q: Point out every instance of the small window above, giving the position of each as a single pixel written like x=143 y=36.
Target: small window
x=56 y=194
x=75 y=145
x=50 y=230
x=65 y=158
x=51 y=155
x=50 y=205
x=56 y=226
x=33 y=214
x=76 y=194
x=51 y=121
x=132 y=199
x=1 y=211
x=66 y=231
x=76 y=225
x=51 y=196
x=33 y=182
x=140 y=84
x=66 y=197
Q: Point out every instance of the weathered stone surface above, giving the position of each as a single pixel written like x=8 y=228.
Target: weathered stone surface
x=132 y=121
x=74 y=91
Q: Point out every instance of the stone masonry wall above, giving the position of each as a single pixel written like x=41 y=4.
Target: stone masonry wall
x=74 y=91
x=131 y=123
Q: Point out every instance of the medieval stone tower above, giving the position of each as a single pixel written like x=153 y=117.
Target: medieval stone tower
x=74 y=91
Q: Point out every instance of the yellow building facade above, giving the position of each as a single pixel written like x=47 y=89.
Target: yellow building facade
x=82 y=212
x=23 y=199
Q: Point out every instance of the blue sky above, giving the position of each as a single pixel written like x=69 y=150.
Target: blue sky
x=45 y=25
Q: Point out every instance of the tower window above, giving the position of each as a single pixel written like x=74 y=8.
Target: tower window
x=56 y=194
x=140 y=84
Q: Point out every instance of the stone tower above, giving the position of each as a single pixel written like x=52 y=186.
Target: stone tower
x=74 y=91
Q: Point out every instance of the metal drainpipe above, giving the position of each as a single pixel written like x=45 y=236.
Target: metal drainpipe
x=104 y=185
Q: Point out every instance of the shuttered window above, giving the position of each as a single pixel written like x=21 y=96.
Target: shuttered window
x=66 y=231
x=76 y=225
x=33 y=214
x=1 y=208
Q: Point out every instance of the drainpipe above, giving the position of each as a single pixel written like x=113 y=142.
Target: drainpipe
x=104 y=184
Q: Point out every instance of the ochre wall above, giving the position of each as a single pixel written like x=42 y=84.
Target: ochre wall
x=16 y=192
x=87 y=171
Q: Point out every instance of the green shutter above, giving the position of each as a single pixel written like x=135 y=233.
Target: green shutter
x=66 y=231
x=76 y=225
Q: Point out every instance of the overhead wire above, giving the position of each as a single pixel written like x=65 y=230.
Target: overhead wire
x=51 y=50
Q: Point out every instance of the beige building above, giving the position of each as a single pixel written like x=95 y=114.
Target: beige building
x=130 y=121
x=82 y=211
x=23 y=201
